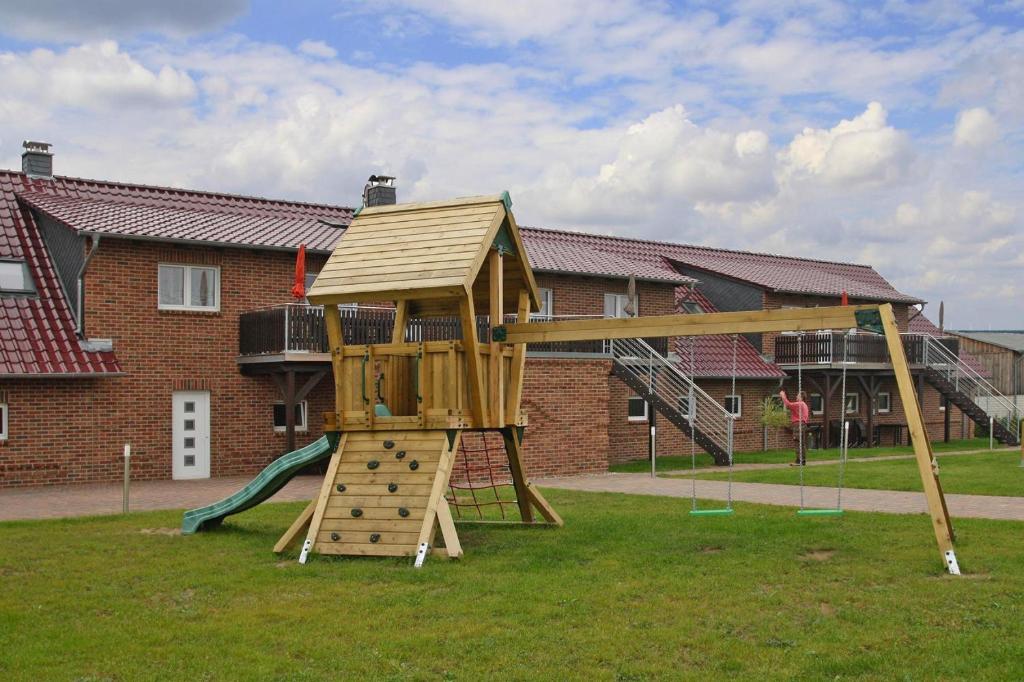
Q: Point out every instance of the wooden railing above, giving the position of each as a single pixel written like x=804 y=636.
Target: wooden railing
x=300 y=328
x=828 y=348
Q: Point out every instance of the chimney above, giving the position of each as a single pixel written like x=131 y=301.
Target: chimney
x=379 y=191
x=37 y=159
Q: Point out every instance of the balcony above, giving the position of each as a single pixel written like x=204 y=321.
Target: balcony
x=827 y=349
x=296 y=332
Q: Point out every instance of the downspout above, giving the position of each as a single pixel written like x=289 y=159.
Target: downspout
x=80 y=303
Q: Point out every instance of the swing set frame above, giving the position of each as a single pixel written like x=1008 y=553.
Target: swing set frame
x=879 y=319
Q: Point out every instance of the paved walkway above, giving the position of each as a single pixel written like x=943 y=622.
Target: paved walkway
x=104 y=498
x=889 y=501
x=759 y=466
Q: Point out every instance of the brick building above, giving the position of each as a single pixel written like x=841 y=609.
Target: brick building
x=163 y=318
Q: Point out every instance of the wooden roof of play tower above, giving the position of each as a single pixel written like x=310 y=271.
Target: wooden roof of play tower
x=431 y=255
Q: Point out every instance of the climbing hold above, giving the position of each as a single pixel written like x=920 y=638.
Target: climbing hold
x=403 y=512
x=375 y=537
x=372 y=464
x=392 y=487
x=388 y=444
x=335 y=537
x=340 y=487
x=414 y=465
x=400 y=454
x=357 y=512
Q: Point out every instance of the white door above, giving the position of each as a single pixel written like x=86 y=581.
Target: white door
x=191 y=434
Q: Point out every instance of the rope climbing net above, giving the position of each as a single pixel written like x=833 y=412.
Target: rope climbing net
x=481 y=485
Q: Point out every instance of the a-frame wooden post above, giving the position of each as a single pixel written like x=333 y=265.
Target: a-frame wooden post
x=919 y=437
x=495 y=379
x=471 y=347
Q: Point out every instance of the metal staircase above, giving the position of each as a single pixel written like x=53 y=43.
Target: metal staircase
x=673 y=394
x=970 y=391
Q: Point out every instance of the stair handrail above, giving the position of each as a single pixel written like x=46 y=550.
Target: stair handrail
x=967 y=380
x=709 y=417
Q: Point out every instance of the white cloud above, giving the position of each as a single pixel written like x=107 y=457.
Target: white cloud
x=975 y=128
x=317 y=48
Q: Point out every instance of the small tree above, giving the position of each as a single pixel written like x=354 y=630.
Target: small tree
x=773 y=414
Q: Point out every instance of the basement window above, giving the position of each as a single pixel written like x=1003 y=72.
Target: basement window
x=189 y=287
x=817 y=405
x=3 y=421
x=734 y=405
x=280 y=417
x=15 y=278
x=637 y=410
x=853 y=403
x=884 y=403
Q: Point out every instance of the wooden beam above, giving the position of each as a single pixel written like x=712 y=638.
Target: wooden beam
x=321 y=501
x=336 y=343
x=446 y=523
x=919 y=437
x=542 y=505
x=518 y=371
x=401 y=318
x=495 y=379
x=742 y=322
x=297 y=529
x=289 y=410
x=513 y=448
x=471 y=344
x=309 y=385
x=437 y=490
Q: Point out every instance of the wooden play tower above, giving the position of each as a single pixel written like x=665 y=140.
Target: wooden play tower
x=401 y=407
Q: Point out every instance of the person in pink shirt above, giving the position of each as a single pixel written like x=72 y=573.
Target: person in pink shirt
x=799 y=415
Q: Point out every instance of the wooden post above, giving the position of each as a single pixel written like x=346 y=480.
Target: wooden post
x=513 y=448
x=945 y=419
x=496 y=382
x=919 y=436
x=336 y=342
x=289 y=410
x=471 y=347
x=515 y=388
x=321 y=501
x=401 y=318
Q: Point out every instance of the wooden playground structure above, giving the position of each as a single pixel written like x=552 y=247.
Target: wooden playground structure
x=401 y=408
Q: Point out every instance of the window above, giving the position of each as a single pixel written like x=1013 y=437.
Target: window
x=852 y=403
x=14 y=277
x=734 y=405
x=547 y=305
x=684 y=405
x=692 y=308
x=637 y=410
x=188 y=287
x=816 y=404
x=307 y=283
x=615 y=305
x=280 y=417
x=884 y=403
x=3 y=421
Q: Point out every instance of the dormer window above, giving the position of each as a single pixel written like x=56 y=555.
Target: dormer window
x=15 y=278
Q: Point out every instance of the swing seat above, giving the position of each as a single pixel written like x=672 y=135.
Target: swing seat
x=710 y=512
x=819 y=512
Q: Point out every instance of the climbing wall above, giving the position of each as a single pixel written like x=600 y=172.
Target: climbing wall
x=382 y=493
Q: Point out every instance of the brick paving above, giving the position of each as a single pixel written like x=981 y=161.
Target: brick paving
x=103 y=498
x=854 y=499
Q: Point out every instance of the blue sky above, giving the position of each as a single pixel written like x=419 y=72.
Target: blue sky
x=885 y=132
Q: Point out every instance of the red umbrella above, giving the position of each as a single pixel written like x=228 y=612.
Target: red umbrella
x=299 y=288
x=845 y=300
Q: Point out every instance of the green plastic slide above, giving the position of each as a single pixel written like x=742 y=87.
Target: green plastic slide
x=264 y=486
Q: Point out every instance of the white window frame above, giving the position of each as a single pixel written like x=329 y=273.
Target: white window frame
x=810 y=402
x=694 y=304
x=3 y=421
x=856 y=403
x=187 y=286
x=637 y=420
x=614 y=305
x=299 y=428
x=738 y=401
x=547 y=305
x=888 y=402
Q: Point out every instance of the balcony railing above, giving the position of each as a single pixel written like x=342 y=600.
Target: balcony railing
x=827 y=348
x=299 y=328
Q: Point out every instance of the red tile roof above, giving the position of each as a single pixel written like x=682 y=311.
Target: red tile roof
x=549 y=251
x=37 y=333
x=768 y=271
x=712 y=355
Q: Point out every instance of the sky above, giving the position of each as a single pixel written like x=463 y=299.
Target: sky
x=888 y=133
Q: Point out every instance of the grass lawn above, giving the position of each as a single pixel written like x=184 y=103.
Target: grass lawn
x=632 y=588
x=704 y=461
x=995 y=473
